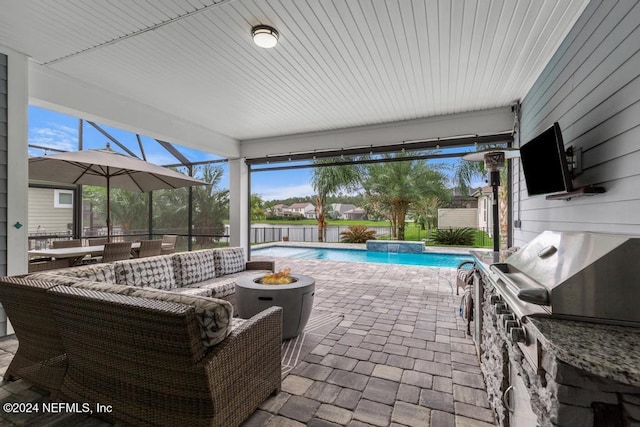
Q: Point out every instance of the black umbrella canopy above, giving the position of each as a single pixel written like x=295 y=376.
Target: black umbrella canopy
x=107 y=168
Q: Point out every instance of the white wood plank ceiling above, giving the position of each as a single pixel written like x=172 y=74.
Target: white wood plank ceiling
x=338 y=63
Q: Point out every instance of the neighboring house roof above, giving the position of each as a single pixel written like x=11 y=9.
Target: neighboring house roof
x=280 y=206
x=355 y=211
x=342 y=207
x=301 y=205
x=480 y=191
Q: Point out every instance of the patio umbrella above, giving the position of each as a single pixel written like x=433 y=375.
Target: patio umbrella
x=107 y=168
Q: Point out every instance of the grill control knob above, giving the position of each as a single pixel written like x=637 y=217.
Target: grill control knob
x=502 y=308
x=506 y=317
x=510 y=325
x=518 y=334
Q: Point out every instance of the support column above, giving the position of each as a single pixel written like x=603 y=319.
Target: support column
x=17 y=168
x=14 y=168
x=239 y=204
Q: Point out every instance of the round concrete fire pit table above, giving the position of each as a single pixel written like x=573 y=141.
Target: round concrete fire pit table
x=296 y=300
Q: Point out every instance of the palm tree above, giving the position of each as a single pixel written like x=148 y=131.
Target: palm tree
x=464 y=174
x=130 y=209
x=329 y=180
x=425 y=211
x=210 y=204
x=257 y=207
x=398 y=184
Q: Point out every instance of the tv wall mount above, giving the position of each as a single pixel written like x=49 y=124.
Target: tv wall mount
x=574 y=161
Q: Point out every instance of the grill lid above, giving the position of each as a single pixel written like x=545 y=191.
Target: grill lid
x=596 y=276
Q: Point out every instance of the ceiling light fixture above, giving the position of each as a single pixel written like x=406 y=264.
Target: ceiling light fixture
x=264 y=36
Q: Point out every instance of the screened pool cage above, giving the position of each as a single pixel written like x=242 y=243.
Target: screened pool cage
x=196 y=215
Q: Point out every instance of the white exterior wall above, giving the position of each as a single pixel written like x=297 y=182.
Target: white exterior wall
x=592 y=88
x=457 y=217
x=44 y=216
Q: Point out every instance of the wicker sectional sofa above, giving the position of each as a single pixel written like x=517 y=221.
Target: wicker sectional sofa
x=124 y=337
x=210 y=272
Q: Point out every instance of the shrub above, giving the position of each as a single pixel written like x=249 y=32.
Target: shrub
x=357 y=234
x=455 y=236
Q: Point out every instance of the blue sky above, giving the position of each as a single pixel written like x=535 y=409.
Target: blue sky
x=51 y=129
x=56 y=130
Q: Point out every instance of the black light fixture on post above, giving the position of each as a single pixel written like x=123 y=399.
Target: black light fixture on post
x=494 y=162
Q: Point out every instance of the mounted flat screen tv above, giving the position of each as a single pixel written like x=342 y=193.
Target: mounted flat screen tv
x=544 y=163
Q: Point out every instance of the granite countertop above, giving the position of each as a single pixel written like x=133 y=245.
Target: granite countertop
x=607 y=351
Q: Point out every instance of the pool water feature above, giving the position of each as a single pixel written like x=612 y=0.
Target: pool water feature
x=425 y=259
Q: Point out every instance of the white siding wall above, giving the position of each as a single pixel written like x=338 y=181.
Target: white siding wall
x=592 y=88
x=43 y=213
x=458 y=218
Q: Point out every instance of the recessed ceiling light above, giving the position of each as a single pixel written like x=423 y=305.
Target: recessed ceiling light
x=264 y=36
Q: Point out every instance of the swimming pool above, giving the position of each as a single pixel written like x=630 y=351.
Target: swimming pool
x=357 y=255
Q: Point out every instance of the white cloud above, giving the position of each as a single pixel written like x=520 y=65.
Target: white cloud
x=55 y=136
x=160 y=158
x=283 y=192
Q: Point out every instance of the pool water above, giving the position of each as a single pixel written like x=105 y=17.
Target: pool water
x=356 y=255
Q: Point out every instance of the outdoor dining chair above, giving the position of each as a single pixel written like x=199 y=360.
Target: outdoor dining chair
x=169 y=238
x=43 y=264
x=95 y=256
x=149 y=248
x=98 y=241
x=59 y=244
x=116 y=251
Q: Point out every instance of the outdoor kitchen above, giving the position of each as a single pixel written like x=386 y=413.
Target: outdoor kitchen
x=557 y=330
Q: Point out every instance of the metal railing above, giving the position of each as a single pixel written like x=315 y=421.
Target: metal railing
x=39 y=240
x=300 y=233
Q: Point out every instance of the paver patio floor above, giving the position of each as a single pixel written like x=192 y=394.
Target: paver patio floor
x=400 y=356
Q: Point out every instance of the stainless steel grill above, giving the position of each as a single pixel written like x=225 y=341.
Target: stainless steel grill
x=580 y=276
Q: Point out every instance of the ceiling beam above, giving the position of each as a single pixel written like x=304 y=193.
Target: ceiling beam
x=483 y=122
x=430 y=144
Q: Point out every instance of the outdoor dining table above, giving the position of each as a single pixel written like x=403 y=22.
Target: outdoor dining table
x=78 y=252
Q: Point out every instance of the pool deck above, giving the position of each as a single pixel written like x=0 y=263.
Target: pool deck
x=400 y=356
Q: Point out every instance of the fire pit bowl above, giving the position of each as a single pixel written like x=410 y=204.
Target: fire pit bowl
x=284 y=281
x=295 y=298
